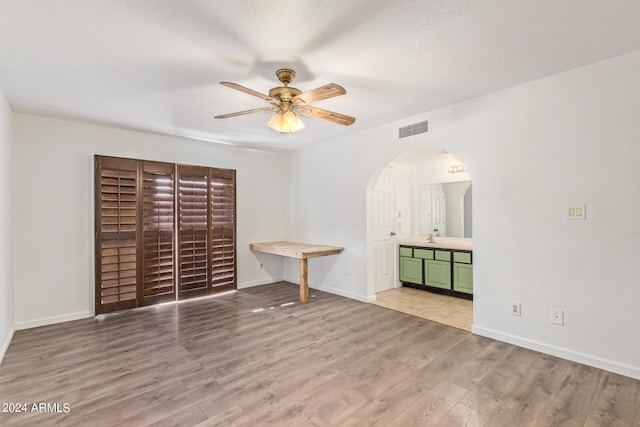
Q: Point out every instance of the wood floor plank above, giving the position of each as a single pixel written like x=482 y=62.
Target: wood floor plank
x=267 y=392
x=440 y=338
x=461 y=415
x=430 y=407
x=360 y=382
x=482 y=401
x=258 y=357
x=615 y=401
x=385 y=406
x=571 y=403
x=533 y=393
x=465 y=363
x=189 y=417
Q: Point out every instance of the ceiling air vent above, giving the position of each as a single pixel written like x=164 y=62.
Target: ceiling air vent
x=414 y=129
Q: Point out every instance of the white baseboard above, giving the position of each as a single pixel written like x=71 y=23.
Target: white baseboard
x=346 y=294
x=253 y=283
x=564 y=353
x=5 y=344
x=85 y=314
x=52 y=320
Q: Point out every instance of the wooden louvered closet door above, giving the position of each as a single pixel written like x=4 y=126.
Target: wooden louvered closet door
x=158 y=201
x=222 y=197
x=193 y=235
x=116 y=234
x=163 y=232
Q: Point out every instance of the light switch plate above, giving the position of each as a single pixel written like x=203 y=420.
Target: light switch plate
x=577 y=211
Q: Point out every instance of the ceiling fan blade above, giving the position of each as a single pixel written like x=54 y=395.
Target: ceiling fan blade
x=318 y=94
x=242 y=113
x=330 y=116
x=251 y=92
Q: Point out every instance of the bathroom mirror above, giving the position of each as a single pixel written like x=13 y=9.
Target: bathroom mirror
x=445 y=209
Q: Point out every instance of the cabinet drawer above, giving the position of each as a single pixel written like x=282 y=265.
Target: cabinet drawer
x=423 y=253
x=443 y=256
x=408 y=252
x=462 y=257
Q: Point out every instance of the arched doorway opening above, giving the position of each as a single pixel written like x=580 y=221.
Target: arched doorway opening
x=422 y=191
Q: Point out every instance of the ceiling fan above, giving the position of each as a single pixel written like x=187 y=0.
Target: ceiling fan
x=287 y=101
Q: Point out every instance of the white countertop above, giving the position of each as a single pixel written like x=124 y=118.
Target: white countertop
x=440 y=242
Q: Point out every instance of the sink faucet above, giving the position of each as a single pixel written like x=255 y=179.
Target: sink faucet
x=430 y=238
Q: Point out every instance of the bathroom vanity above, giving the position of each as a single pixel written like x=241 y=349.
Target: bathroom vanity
x=445 y=266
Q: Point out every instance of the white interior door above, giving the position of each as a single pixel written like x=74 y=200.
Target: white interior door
x=439 y=211
x=383 y=231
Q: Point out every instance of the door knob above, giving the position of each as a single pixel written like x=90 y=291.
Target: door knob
x=393 y=233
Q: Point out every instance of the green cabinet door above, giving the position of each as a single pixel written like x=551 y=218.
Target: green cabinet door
x=463 y=278
x=411 y=270
x=438 y=274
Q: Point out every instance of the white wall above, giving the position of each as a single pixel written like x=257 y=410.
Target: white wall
x=6 y=243
x=436 y=170
x=53 y=208
x=530 y=151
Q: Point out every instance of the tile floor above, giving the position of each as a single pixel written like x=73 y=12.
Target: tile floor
x=451 y=311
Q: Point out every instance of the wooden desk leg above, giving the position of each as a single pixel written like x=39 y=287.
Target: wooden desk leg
x=304 y=281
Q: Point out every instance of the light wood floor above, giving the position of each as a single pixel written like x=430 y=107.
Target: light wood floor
x=252 y=359
x=452 y=311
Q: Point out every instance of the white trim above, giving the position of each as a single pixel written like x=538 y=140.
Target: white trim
x=564 y=353
x=346 y=294
x=53 y=319
x=6 y=343
x=253 y=283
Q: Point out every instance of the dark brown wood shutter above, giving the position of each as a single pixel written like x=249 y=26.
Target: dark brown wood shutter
x=193 y=233
x=158 y=206
x=116 y=205
x=163 y=232
x=222 y=185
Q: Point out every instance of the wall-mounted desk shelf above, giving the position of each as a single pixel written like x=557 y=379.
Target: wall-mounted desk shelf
x=301 y=251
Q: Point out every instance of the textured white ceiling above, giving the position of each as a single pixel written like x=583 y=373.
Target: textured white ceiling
x=155 y=64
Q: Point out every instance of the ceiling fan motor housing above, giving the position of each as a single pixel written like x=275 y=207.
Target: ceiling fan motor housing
x=284 y=93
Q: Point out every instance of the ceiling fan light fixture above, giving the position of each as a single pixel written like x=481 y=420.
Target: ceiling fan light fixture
x=292 y=122
x=275 y=122
x=286 y=122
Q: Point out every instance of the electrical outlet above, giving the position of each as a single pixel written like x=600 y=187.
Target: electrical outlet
x=557 y=316
x=515 y=309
